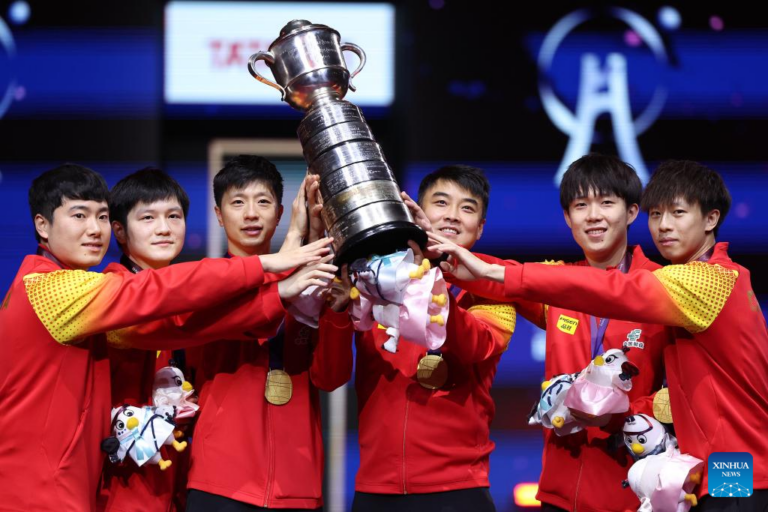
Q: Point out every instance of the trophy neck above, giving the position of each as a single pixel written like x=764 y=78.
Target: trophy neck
x=323 y=96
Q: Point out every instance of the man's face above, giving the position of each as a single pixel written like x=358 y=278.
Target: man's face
x=154 y=234
x=454 y=212
x=680 y=231
x=249 y=216
x=79 y=233
x=599 y=225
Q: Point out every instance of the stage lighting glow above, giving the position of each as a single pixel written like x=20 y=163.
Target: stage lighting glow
x=632 y=39
x=19 y=12
x=437 y=4
x=669 y=18
x=716 y=23
x=525 y=495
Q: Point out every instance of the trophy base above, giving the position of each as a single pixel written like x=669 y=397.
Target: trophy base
x=381 y=239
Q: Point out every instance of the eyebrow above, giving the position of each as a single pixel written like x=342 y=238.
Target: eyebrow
x=153 y=210
x=85 y=208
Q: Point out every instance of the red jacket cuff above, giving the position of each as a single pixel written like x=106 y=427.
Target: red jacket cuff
x=274 y=311
x=513 y=281
x=254 y=272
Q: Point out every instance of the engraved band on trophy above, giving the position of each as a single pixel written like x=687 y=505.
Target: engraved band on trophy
x=362 y=208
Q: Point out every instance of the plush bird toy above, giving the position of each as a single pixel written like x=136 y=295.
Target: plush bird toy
x=406 y=299
x=550 y=411
x=171 y=394
x=139 y=432
x=602 y=387
x=662 y=478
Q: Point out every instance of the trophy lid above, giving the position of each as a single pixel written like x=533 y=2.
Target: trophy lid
x=294 y=27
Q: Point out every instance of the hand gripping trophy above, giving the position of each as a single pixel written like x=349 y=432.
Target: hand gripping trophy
x=362 y=208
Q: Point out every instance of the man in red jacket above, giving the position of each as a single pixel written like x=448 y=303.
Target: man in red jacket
x=424 y=436
x=253 y=447
x=148 y=210
x=54 y=371
x=599 y=196
x=717 y=368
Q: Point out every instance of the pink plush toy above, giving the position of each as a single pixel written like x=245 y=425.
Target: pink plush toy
x=409 y=300
x=602 y=387
x=662 y=477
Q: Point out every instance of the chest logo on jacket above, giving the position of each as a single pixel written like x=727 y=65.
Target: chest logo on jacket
x=567 y=324
x=633 y=339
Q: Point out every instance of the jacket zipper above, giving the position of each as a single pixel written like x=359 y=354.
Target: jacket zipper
x=405 y=425
x=578 y=484
x=270 y=456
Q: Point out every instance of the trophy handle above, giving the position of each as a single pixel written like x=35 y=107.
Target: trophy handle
x=268 y=58
x=360 y=54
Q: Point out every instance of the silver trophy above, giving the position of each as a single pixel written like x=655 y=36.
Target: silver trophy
x=362 y=208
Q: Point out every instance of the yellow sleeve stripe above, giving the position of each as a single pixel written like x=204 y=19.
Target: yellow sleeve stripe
x=60 y=300
x=699 y=291
x=502 y=318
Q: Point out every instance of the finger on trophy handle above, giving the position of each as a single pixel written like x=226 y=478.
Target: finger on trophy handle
x=361 y=55
x=268 y=58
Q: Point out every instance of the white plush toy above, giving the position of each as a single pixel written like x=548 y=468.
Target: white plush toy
x=602 y=387
x=170 y=395
x=662 y=478
x=409 y=300
x=550 y=411
x=141 y=432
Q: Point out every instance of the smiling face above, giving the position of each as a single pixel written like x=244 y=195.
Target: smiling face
x=681 y=231
x=154 y=234
x=454 y=212
x=599 y=225
x=79 y=233
x=249 y=217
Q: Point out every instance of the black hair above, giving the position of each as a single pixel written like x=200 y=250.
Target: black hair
x=467 y=177
x=144 y=186
x=601 y=175
x=243 y=170
x=691 y=181
x=67 y=181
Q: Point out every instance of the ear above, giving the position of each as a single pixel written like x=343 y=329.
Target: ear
x=279 y=213
x=217 y=211
x=567 y=218
x=710 y=220
x=43 y=226
x=121 y=235
x=632 y=212
x=480 y=230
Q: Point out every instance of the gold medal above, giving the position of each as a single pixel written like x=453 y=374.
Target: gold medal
x=661 y=408
x=432 y=371
x=279 y=387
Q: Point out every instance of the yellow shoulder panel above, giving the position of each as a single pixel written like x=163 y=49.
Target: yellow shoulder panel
x=59 y=300
x=699 y=290
x=502 y=317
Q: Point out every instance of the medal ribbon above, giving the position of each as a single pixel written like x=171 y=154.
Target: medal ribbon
x=597 y=329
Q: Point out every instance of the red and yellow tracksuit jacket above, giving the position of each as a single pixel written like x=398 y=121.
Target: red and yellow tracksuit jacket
x=54 y=371
x=417 y=440
x=245 y=448
x=128 y=488
x=584 y=471
x=717 y=367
